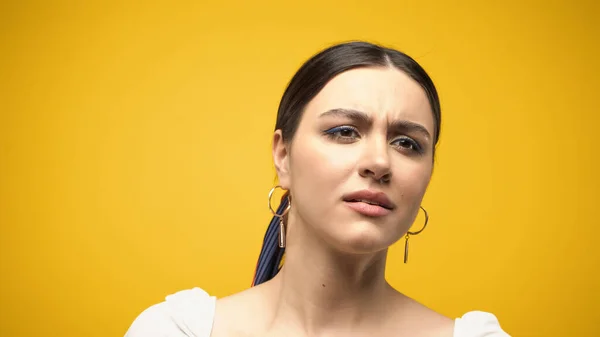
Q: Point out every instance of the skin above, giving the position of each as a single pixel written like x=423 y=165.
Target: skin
x=369 y=128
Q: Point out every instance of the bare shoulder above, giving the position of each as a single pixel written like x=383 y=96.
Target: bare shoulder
x=245 y=308
x=421 y=320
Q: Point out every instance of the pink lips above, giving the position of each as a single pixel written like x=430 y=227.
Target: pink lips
x=369 y=203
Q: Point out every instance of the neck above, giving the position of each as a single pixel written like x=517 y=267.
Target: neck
x=321 y=290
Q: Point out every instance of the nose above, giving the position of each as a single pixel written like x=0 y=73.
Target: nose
x=375 y=161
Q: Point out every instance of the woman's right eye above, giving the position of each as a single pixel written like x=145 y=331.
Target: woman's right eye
x=344 y=133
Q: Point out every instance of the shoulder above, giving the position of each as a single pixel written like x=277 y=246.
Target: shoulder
x=478 y=324
x=250 y=309
x=417 y=319
x=432 y=323
x=187 y=313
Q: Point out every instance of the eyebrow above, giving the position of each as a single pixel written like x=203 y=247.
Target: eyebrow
x=363 y=118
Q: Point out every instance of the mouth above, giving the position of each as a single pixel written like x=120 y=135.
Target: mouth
x=369 y=203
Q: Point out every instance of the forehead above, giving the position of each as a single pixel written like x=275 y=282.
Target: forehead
x=382 y=92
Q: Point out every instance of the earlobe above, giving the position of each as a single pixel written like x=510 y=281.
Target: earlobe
x=281 y=159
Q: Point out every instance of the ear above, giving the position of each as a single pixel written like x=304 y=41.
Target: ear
x=281 y=158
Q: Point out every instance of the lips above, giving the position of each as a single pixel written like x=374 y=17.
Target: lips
x=369 y=203
x=370 y=197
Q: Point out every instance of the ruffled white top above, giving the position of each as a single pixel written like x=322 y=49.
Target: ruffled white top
x=190 y=313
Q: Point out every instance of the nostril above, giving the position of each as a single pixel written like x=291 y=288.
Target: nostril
x=380 y=174
x=367 y=173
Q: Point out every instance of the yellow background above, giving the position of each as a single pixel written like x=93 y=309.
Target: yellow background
x=135 y=154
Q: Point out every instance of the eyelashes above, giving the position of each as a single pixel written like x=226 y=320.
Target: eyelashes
x=408 y=143
x=349 y=134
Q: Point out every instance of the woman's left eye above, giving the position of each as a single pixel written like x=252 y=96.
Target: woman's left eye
x=407 y=143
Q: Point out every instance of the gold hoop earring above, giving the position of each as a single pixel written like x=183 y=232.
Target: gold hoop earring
x=280 y=216
x=409 y=233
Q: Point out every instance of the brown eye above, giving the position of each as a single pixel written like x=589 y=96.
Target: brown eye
x=343 y=132
x=346 y=133
x=407 y=143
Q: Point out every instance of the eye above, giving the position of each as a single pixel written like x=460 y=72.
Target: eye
x=408 y=144
x=343 y=133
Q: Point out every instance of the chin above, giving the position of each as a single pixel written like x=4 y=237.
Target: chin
x=363 y=238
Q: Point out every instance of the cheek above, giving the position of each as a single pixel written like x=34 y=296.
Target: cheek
x=317 y=165
x=412 y=178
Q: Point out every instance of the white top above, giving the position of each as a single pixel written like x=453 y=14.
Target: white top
x=190 y=313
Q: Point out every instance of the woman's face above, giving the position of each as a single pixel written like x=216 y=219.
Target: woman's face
x=361 y=159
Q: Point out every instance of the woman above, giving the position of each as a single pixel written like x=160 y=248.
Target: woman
x=353 y=147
